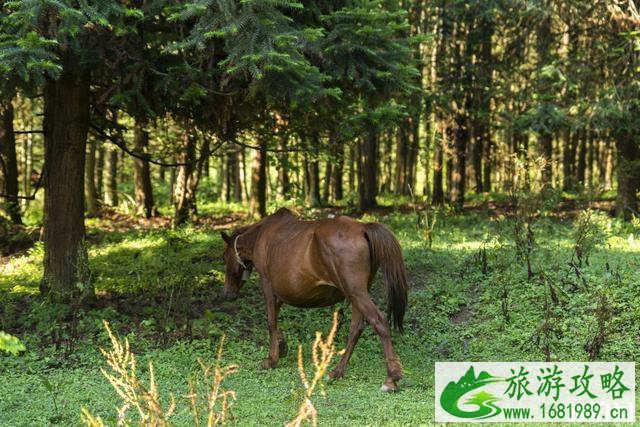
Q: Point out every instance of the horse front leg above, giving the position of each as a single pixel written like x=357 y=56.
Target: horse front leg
x=379 y=324
x=355 y=330
x=276 y=340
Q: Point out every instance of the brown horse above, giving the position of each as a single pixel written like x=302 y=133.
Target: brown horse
x=317 y=264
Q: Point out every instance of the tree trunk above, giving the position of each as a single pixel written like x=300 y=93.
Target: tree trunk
x=488 y=163
x=582 y=158
x=283 y=170
x=183 y=200
x=172 y=185
x=385 y=174
x=142 y=171
x=313 y=174
x=66 y=123
x=90 y=194
x=544 y=41
x=484 y=92
x=111 y=191
x=352 y=168
x=27 y=146
x=591 y=157
x=368 y=188
x=326 y=187
x=197 y=177
x=459 y=163
x=628 y=175
x=234 y=183
x=9 y=162
x=336 y=181
x=438 y=163
x=100 y=172
x=412 y=155
x=258 y=202
x=402 y=150
x=477 y=150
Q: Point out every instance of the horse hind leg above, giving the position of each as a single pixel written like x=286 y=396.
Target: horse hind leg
x=379 y=324
x=355 y=330
x=276 y=339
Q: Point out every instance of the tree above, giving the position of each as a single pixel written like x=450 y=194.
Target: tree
x=370 y=59
x=142 y=178
x=56 y=43
x=9 y=162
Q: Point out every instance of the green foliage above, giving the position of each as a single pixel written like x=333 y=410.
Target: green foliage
x=35 y=32
x=10 y=344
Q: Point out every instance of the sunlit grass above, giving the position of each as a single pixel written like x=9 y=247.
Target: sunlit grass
x=145 y=267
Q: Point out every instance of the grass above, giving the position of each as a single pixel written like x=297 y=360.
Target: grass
x=159 y=288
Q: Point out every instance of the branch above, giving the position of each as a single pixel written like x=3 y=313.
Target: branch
x=25 y=132
x=36 y=187
x=272 y=150
x=117 y=141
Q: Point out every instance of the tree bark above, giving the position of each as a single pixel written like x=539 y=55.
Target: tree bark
x=544 y=86
x=477 y=151
x=326 y=185
x=111 y=191
x=484 y=115
x=438 y=163
x=628 y=175
x=283 y=170
x=100 y=172
x=182 y=197
x=352 y=167
x=402 y=151
x=459 y=164
x=197 y=177
x=9 y=162
x=66 y=123
x=582 y=158
x=142 y=172
x=258 y=202
x=90 y=194
x=368 y=188
x=313 y=173
x=338 y=171
x=234 y=183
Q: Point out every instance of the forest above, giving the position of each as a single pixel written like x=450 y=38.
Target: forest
x=498 y=140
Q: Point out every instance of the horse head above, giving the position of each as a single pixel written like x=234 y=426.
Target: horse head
x=237 y=265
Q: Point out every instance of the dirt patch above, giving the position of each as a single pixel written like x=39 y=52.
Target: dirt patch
x=462 y=316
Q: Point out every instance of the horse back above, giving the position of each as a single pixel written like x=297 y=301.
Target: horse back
x=314 y=260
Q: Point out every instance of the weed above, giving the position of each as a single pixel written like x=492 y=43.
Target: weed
x=322 y=352
x=589 y=234
x=210 y=410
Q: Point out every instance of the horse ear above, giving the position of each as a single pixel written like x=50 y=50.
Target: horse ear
x=225 y=237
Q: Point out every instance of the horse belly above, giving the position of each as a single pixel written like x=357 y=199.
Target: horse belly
x=320 y=295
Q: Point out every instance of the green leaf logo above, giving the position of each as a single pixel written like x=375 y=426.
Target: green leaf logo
x=455 y=391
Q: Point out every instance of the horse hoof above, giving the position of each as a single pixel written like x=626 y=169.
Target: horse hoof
x=389 y=386
x=268 y=364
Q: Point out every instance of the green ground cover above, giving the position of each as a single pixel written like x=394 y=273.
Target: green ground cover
x=471 y=299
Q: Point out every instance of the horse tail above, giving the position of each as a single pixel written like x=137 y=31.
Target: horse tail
x=386 y=253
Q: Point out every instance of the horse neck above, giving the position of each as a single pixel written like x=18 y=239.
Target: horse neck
x=247 y=240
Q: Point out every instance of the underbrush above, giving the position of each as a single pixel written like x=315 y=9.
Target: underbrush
x=473 y=297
